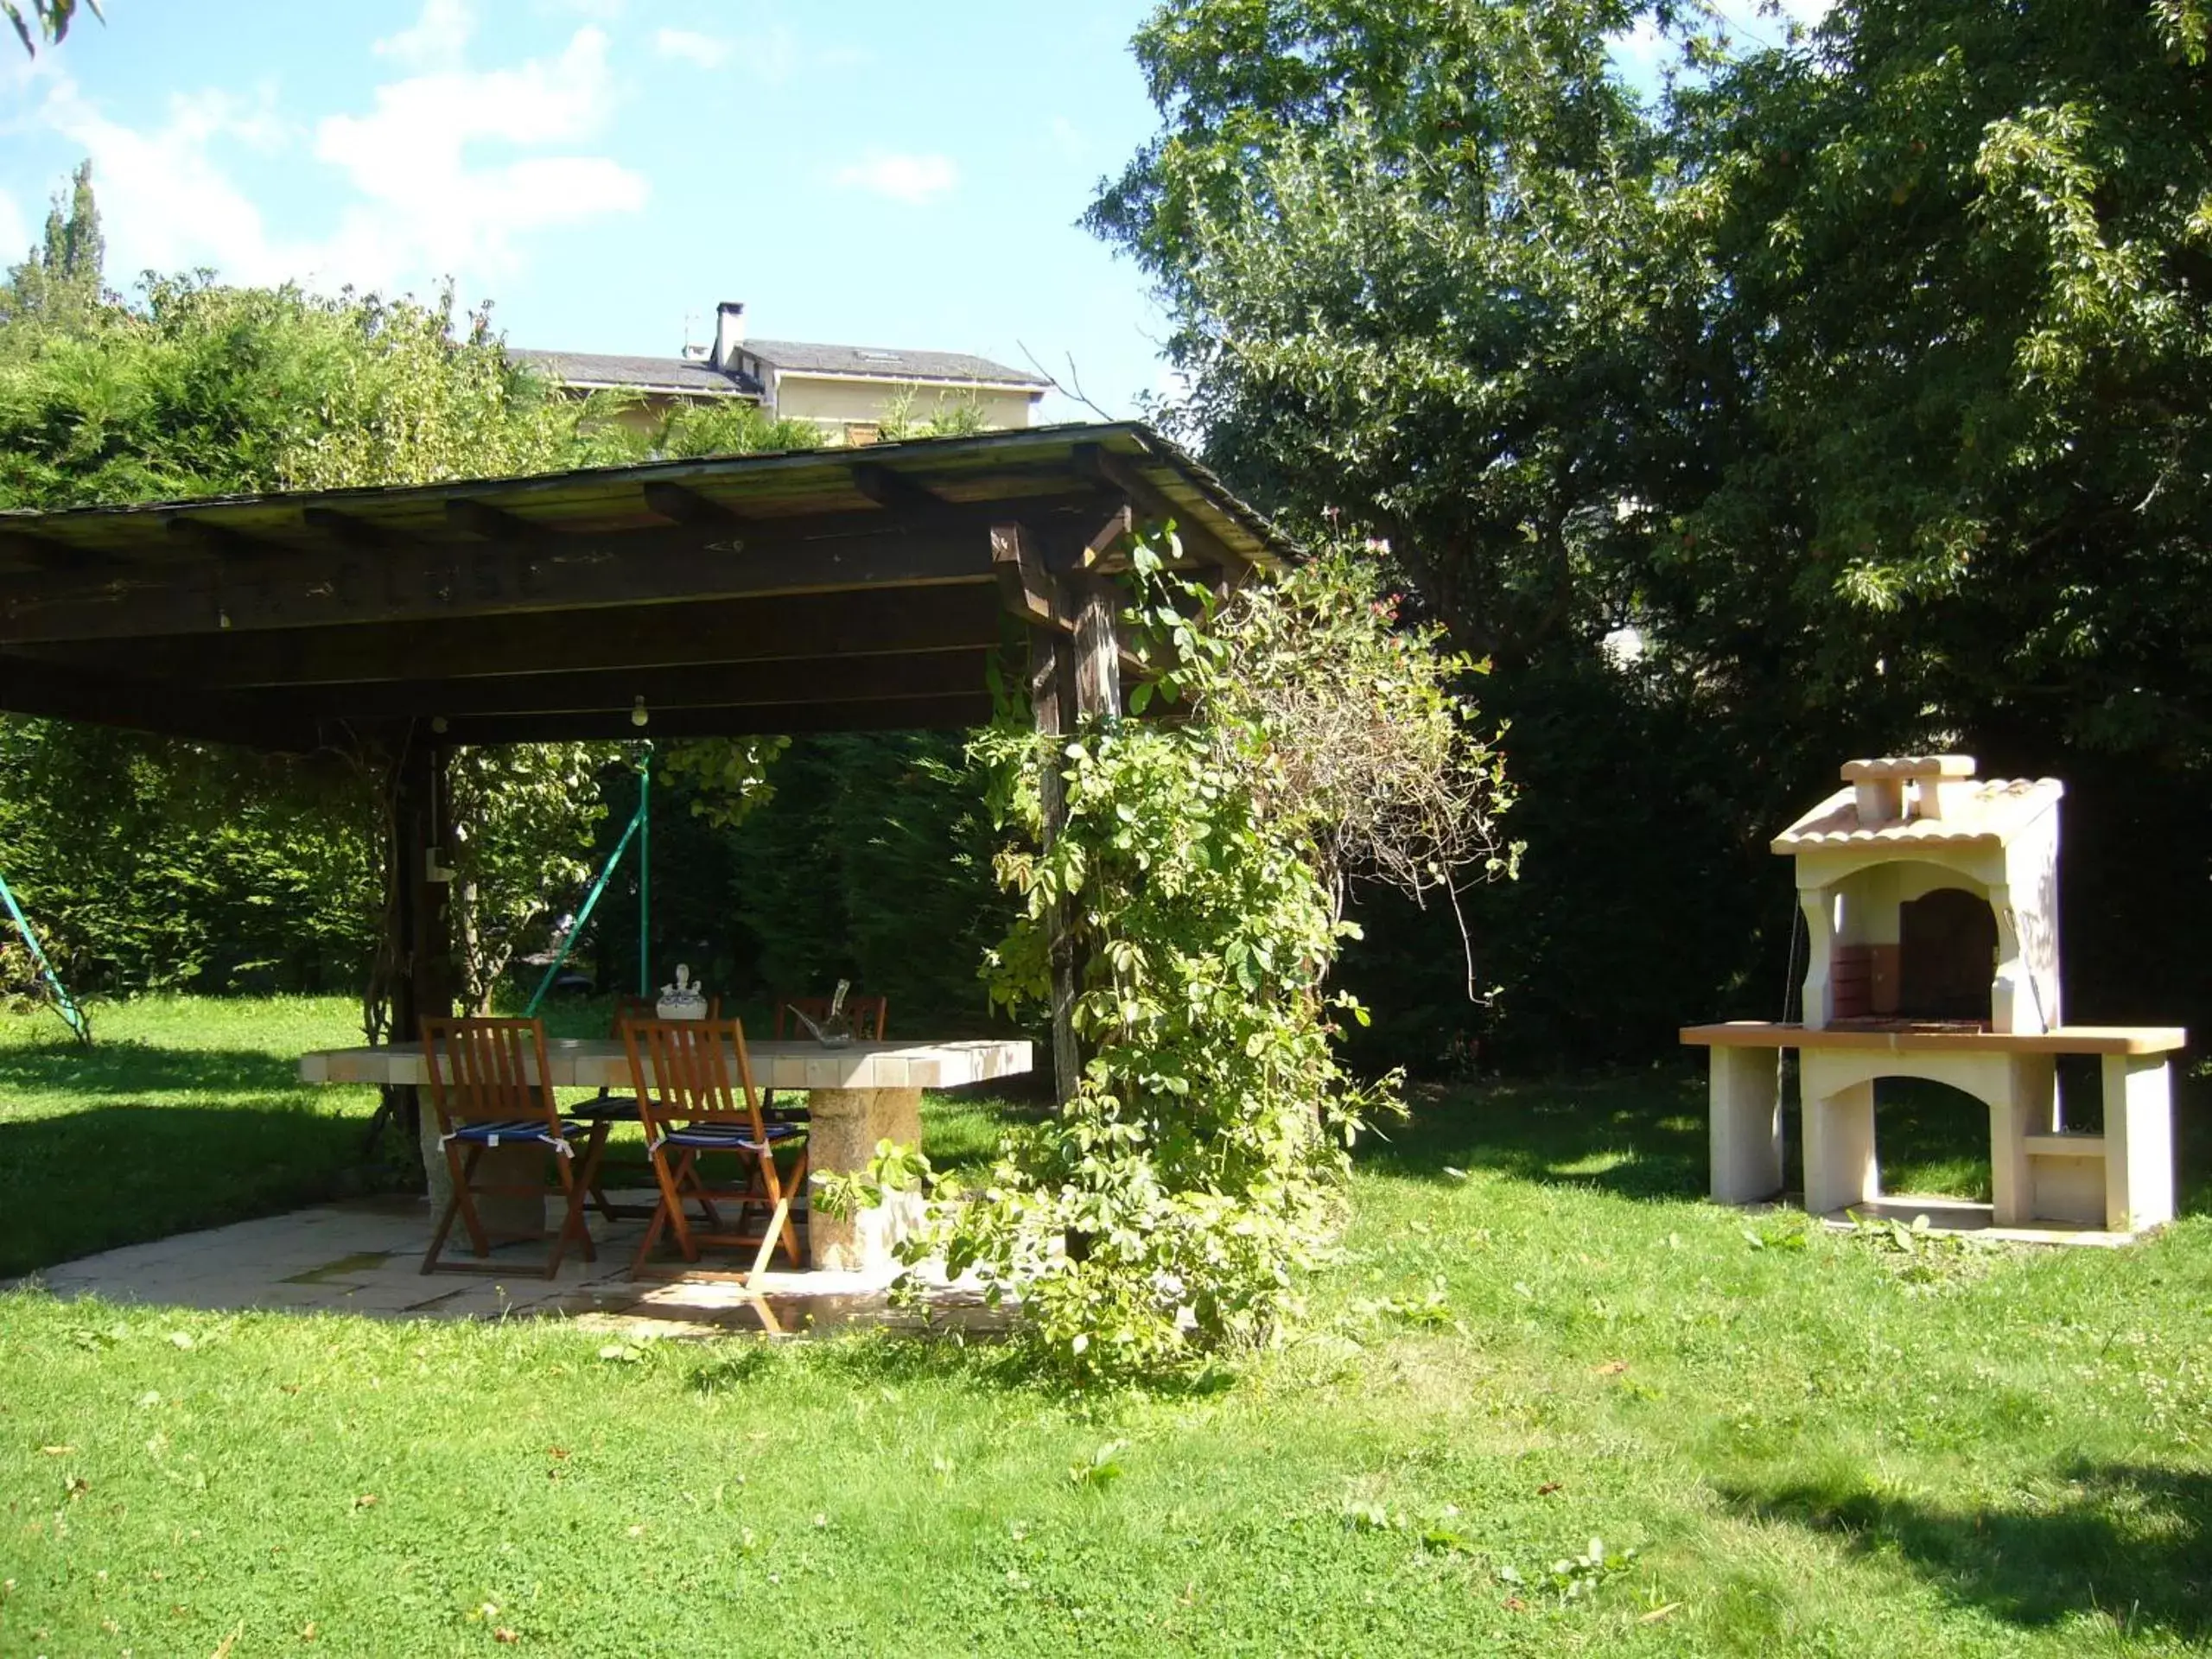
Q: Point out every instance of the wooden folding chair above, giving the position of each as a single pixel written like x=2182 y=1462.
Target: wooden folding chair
x=609 y=1108
x=695 y=1096
x=482 y=1091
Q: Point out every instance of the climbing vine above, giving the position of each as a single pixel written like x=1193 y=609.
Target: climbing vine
x=1173 y=1204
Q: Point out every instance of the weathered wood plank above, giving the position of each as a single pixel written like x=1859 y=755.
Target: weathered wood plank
x=887 y=488
x=426 y=579
x=891 y=714
x=820 y=679
x=480 y=518
x=1025 y=585
x=1097 y=461
x=682 y=504
x=1052 y=706
x=1098 y=646
x=59 y=691
x=773 y=628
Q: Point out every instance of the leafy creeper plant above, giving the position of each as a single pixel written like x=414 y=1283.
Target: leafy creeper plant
x=1199 y=1169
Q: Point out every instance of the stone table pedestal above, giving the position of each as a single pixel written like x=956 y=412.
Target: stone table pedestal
x=848 y=1126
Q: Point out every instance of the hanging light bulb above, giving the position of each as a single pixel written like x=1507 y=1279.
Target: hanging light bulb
x=637 y=715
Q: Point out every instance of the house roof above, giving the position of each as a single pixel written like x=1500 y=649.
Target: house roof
x=887 y=362
x=613 y=370
x=691 y=377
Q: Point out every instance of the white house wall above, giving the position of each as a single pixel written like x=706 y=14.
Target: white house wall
x=853 y=401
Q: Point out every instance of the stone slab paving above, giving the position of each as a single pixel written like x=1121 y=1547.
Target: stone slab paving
x=364 y=1256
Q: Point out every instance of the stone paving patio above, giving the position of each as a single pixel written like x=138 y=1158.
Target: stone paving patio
x=364 y=1256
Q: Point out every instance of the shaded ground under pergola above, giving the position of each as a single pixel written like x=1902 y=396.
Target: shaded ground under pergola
x=839 y=590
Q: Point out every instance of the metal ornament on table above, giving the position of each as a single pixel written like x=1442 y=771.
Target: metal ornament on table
x=833 y=1032
x=681 y=1001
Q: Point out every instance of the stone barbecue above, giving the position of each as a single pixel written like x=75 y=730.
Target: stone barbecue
x=1931 y=905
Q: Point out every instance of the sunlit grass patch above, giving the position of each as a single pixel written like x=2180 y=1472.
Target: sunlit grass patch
x=1540 y=1335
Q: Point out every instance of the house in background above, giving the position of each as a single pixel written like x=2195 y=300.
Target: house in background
x=847 y=390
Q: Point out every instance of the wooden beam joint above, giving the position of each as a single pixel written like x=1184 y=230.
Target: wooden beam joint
x=681 y=504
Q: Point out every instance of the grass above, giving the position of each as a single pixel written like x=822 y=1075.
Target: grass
x=1814 y=1443
x=186 y=1113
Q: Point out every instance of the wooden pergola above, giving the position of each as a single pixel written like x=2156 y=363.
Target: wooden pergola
x=837 y=589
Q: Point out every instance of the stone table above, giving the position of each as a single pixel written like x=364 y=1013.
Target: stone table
x=856 y=1097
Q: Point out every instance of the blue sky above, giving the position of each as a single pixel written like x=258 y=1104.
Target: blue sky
x=876 y=172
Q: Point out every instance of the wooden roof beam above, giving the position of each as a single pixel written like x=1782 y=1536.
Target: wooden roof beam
x=1095 y=460
x=615 y=690
x=1108 y=546
x=105 y=697
x=787 y=627
x=682 y=504
x=1026 y=589
x=480 y=518
x=36 y=553
x=889 y=714
x=216 y=541
x=886 y=488
x=344 y=528
x=404 y=580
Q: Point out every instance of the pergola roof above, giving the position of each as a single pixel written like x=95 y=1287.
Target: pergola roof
x=814 y=590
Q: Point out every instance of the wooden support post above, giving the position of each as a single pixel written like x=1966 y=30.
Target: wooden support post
x=1075 y=673
x=1098 y=646
x=423 y=977
x=1052 y=701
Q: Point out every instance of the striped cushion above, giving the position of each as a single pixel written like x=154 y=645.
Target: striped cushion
x=513 y=1128
x=724 y=1137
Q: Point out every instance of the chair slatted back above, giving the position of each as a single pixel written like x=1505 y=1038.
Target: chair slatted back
x=692 y=1072
x=481 y=1071
x=864 y=1014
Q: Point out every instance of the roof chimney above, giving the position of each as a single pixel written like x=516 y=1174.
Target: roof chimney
x=729 y=333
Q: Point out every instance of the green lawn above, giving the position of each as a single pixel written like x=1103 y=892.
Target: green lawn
x=186 y=1113
x=1814 y=1443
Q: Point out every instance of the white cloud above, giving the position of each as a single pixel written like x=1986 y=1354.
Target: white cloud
x=708 y=51
x=427 y=205
x=915 y=180
x=766 y=57
x=416 y=196
x=437 y=38
x=1069 y=139
x=164 y=203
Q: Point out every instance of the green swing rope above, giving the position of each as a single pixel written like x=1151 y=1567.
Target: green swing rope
x=640 y=828
x=70 y=1012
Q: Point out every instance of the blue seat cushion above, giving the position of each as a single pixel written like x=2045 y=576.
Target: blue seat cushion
x=491 y=1134
x=726 y=1137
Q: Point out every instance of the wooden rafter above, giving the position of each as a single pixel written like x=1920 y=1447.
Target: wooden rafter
x=479 y=518
x=887 y=488
x=682 y=504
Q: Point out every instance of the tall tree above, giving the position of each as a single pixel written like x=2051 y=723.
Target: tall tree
x=59 y=279
x=1850 y=392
